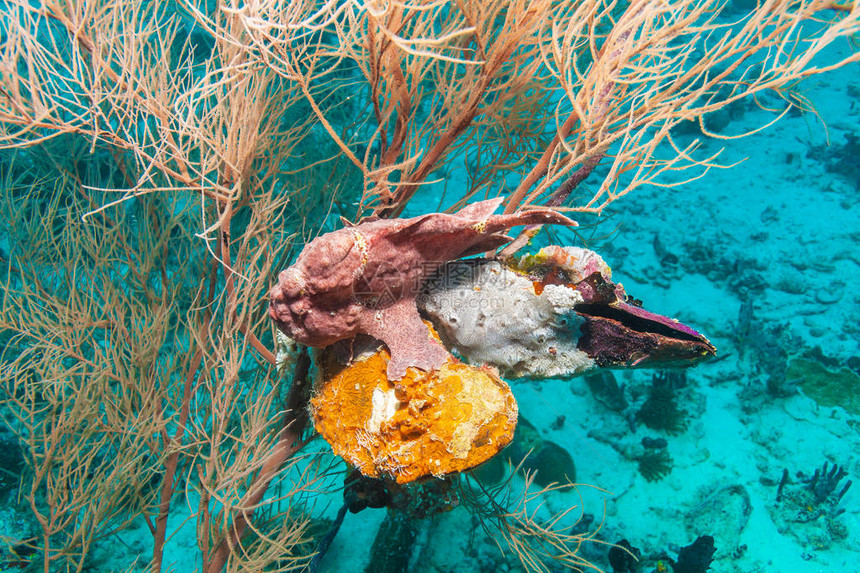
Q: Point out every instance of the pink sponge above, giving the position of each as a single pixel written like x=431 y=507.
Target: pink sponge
x=365 y=278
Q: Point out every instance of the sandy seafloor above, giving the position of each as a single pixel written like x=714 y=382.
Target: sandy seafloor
x=779 y=230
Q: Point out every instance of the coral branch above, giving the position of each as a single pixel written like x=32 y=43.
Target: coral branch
x=290 y=441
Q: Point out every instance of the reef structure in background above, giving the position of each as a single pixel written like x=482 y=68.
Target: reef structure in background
x=808 y=507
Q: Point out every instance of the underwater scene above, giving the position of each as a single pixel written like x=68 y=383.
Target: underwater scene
x=379 y=287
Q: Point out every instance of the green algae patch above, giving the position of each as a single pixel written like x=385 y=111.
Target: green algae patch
x=827 y=387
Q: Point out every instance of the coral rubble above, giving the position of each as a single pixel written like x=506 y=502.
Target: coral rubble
x=724 y=510
x=809 y=510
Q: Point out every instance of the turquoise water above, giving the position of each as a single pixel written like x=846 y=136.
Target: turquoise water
x=751 y=453
x=763 y=259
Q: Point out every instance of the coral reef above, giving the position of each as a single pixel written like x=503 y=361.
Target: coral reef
x=623 y=557
x=709 y=256
x=828 y=387
x=840 y=158
x=660 y=411
x=777 y=364
x=550 y=462
x=363 y=279
x=428 y=423
x=655 y=463
x=764 y=356
x=696 y=557
x=808 y=508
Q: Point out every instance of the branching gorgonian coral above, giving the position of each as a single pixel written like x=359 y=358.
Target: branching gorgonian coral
x=164 y=161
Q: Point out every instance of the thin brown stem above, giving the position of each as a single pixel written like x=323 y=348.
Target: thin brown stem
x=172 y=463
x=540 y=168
x=290 y=441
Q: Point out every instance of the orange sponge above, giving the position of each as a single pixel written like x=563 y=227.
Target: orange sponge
x=427 y=423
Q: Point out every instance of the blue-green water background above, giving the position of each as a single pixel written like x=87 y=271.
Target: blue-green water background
x=763 y=259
